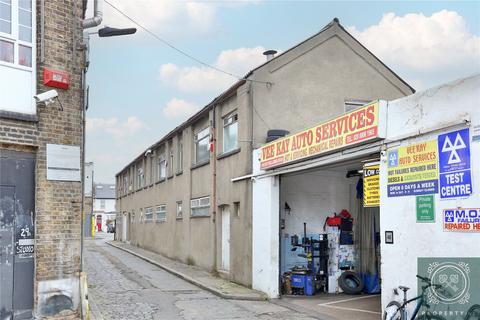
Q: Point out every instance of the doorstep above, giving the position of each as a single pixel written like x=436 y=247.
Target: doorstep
x=195 y=275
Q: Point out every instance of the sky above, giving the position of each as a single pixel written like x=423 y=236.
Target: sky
x=140 y=89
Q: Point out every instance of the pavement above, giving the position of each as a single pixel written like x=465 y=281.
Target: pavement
x=126 y=282
x=199 y=277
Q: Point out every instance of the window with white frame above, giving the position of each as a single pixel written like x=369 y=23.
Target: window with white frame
x=201 y=140
x=180 y=154
x=125 y=185
x=148 y=214
x=230 y=132
x=200 y=207
x=179 y=210
x=162 y=167
x=170 y=158
x=102 y=203
x=161 y=213
x=16 y=39
x=141 y=177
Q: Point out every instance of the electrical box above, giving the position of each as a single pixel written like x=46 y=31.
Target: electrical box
x=56 y=78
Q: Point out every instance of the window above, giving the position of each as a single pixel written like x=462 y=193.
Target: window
x=102 y=203
x=16 y=20
x=230 y=132
x=141 y=178
x=170 y=158
x=180 y=154
x=125 y=185
x=179 y=210
x=162 y=167
x=200 y=207
x=6 y=16
x=148 y=214
x=140 y=219
x=161 y=213
x=201 y=146
x=152 y=170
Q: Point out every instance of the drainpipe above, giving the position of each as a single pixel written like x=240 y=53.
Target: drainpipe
x=97 y=16
x=214 y=187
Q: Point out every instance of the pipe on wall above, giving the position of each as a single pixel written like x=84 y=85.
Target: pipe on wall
x=97 y=15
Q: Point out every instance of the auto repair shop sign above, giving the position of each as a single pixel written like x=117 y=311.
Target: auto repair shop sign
x=349 y=129
x=461 y=220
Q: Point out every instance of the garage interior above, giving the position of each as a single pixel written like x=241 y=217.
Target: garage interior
x=326 y=262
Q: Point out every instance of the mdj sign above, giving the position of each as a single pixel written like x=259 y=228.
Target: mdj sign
x=454 y=164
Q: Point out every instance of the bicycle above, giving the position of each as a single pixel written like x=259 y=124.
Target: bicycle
x=401 y=311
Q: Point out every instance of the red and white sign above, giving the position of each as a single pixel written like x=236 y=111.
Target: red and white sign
x=56 y=78
x=352 y=128
x=461 y=220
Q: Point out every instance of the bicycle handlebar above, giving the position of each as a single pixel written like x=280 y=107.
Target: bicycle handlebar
x=424 y=279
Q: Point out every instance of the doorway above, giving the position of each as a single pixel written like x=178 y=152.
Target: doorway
x=17 y=238
x=225 y=238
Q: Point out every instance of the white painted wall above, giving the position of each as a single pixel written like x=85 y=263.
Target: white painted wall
x=265 y=237
x=313 y=196
x=425 y=111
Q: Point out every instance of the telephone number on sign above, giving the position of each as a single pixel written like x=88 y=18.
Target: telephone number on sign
x=25 y=249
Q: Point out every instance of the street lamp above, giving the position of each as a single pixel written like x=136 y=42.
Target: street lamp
x=113 y=32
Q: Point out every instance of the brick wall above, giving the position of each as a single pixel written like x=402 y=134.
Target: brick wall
x=58 y=204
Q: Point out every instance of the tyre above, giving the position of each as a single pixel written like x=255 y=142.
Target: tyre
x=396 y=316
x=473 y=313
x=350 y=283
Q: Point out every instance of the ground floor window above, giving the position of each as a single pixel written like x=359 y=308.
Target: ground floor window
x=200 y=207
x=148 y=215
x=161 y=213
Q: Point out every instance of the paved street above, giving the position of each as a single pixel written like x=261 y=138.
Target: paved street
x=122 y=286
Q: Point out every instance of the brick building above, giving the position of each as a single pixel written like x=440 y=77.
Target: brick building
x=40 y=158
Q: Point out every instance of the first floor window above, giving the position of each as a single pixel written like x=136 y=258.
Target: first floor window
x=148 y=214
x=200 y=207
x=179 y=210
x=6 y=51
x=202 y=153
x=230 y=132
x=6 y=16
x=161 y=213
x=162 y=167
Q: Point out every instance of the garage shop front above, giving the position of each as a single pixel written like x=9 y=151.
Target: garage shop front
x=373 y=198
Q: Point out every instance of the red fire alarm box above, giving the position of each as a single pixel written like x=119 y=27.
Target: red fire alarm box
x=56 y=78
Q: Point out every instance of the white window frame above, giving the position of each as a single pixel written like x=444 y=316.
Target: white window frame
x=13 y=37
x=179 y=210
x=102 y=203
x=148 y=215
x=228 y=121
x=141 y=178
x=161 y=167
x=179 y=153
x=205 y=134
x=161 y=213
x=198 y=206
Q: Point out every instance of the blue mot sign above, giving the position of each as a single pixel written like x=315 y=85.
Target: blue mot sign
x=454 y=164
x=461 y=220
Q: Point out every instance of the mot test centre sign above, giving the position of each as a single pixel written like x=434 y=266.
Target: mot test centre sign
x=357 y=126
x=454 y=164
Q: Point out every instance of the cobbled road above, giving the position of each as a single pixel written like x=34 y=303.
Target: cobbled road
x=122 y=286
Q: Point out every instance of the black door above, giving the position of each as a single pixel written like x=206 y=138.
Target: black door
x=17 y=187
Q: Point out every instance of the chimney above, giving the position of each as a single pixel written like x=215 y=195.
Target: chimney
x=270 y=54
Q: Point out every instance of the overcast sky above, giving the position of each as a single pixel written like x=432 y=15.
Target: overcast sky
x=140 y=89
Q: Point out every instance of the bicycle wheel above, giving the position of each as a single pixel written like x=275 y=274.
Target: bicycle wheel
x=395 y=311
x=473 y=313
